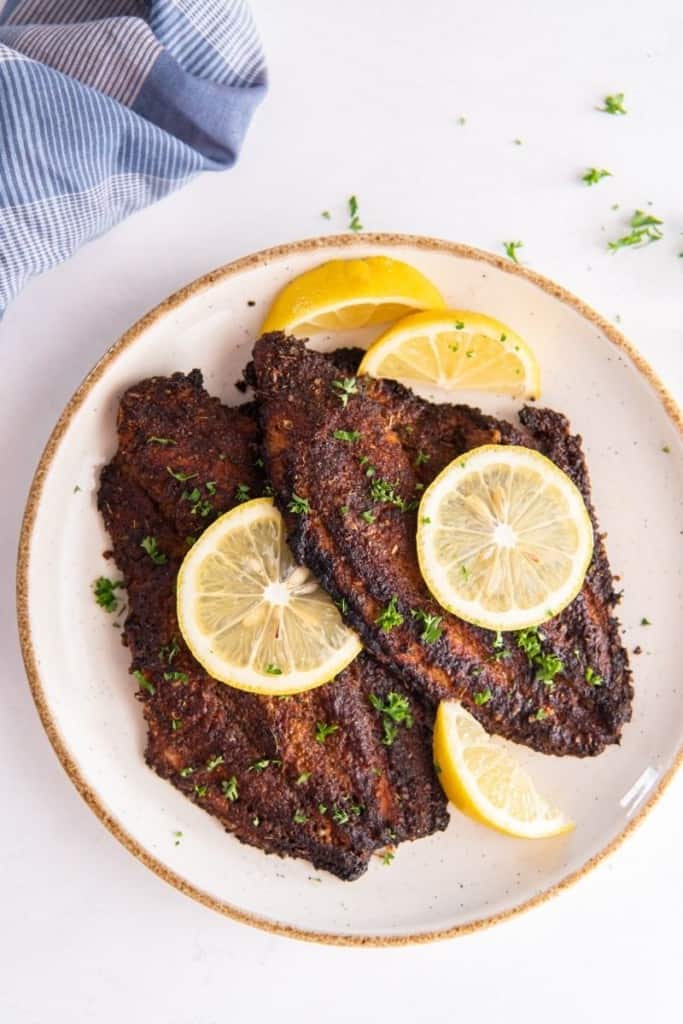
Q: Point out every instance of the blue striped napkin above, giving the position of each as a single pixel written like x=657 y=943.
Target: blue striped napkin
x=107 y=105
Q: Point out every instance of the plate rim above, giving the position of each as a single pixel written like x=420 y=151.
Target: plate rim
x=59 y=745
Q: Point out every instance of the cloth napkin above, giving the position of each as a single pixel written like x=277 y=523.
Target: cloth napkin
x=107 y=105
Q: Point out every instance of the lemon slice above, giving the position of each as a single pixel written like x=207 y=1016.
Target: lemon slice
x=345 y=294
x=453 y=348
x=504 y=539
x=253 y=617
x=483 y=780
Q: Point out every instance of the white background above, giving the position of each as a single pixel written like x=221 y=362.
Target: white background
x=365 y=97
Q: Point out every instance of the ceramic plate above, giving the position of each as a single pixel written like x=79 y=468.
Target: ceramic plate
x=453 y=881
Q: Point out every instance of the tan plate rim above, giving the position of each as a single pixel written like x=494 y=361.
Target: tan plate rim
x=176 y=299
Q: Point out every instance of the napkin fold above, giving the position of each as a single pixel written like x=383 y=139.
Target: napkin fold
x=108 y=105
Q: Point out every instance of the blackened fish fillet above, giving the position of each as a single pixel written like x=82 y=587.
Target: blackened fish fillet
x=362 y=546
x=253 y=762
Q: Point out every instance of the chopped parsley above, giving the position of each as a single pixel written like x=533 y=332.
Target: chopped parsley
x=613 y=104
x=229 y=788
x=210 y=486
x=354 y=220
x=483 y=697
x=242 y=493
x=645 y=228
x=344 y=510
x=395 y=711
x=387 y=858
x=344 y=389
x=179 y=475
x=340 y=815
x=427 y=520
x=382 y=491
x=592 y=677
x=390 y=617
x=511 y=250
x=459 y=325
x=500 y=653
x=323 y=730
x=168 y=652
x=343 y=605
x=431 y=625
x=199 y=506
x=326 y=214
x=300 y=506
x=303 y=777
x=144 y=683
x=540 y=715
x=176 y=724
x=665 y=447
x=200 y=790
x=300 y=818
x=214 y=762
x=273 y=670
x=160 y=440
x=186 y=772
x=149 y=544
x=176 y=677
x=547 y=665
x=265 y=762
x=267 y=491
x=421 y=458
x=322 y=808
x=645 y=622
x=177 y=837
x=347 y=435
x=104 y=593
x=368 y=516
x=593 y=175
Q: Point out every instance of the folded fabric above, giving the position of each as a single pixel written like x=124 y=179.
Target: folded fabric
x=107 y=105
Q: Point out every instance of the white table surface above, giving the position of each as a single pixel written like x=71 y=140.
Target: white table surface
x=365 y=97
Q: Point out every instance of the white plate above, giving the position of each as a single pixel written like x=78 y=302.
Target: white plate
x=467 y=876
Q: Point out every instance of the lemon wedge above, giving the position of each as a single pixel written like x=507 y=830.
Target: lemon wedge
x=452 y=349
x=345 y=294
x=484 y=781
x=504 y=538
x=253 y=617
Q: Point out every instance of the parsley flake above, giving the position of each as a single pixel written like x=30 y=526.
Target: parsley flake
x=354 y=220
x=387 y=858
x=229 y=789
x=300 y=506
x=344 y=389
x=347 y=435
x=593 y=175
x=511 y=250
x=303 y=778
x=592 y=677
x=104 y=593
x=483 y=697
x=176 y=677
x=395 y=710
x=242 y=493
x=273 y=670
x=144 y=683
x=300 y=818
x=160 y=440
x=149 y=544
x=179 y=475
x=214 y=762
x=323 y=730
x=421 y=458
x=390 y=617
x=613 y=104
x=431 y=625
x=368 y=516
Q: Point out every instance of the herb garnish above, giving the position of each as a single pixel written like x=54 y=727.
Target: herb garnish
x=303 y=777
x=176 y=677
x=511 y=250
x=273 y=670
x=198 y=505
x=179 y=475
x=229 y=788
x=323 y=730
x=149 y=544
x=347 y=435
x=354 y=221
x=547 y=665
x=160 y=440
x=300 y=506
x=593 y=175
x=344 y=389
x=368 y=516
x=540 y=715
x=592 y=677
x=645 y=229
x=176 y=724
x=645 y=622
x=483 y=697
x=390 y=617
x=168 y=652
x=614 y=104
x=144 y=683
x=214 y=762
x=200 y=790
x=265 y=762
x=421 y=458
x=242 y=493
x=186 y=772
x=431 y=625
x=177 y=837
x=104 y=593
x=300 y=818
x=387 y=858
x=326 y=214
x=395 y=711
